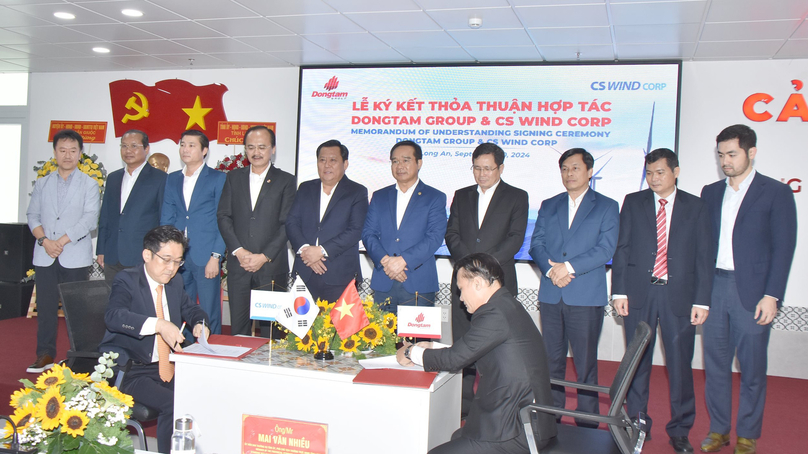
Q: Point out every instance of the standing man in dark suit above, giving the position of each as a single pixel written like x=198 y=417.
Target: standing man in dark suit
x=252 y=215
x=62 y=213
x=404 y=227
x=662 y=272
x=506 y=346
x=575 y=236
x=190 y=203
x=754 y=222
x=132 y=202
x=325 y=225
x=146 y=308
x=489 y=217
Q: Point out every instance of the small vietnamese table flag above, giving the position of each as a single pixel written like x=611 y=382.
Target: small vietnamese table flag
x=348 y=315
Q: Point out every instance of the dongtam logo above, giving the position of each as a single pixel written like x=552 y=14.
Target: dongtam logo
x=329 y=92
x=419 y=322
x=331 y=84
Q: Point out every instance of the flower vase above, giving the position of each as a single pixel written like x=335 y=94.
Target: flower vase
x=325 y=355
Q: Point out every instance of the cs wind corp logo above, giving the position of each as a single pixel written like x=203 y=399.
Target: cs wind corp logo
x=329 y=92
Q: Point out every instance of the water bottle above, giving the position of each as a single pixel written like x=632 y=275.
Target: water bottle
x=182 y=440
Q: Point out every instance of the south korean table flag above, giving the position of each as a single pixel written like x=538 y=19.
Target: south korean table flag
x=299 y=312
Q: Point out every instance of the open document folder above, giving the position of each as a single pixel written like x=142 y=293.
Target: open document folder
x=225 y=346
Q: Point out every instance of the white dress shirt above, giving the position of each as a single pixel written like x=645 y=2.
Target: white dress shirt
x=188 y=185
x=402 y=200
x=325 y=199
x=729 y=213
x=149 y=326
x=574 y=204
x=256 y=182
x=483 y=201
x=128 y=183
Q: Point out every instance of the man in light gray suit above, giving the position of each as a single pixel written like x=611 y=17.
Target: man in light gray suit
x=63 y=211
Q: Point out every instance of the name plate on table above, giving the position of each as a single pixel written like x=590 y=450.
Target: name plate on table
x=263 y=435
x=419 y=321
x=264 y=305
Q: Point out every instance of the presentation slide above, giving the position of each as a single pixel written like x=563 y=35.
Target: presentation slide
x=617 y=112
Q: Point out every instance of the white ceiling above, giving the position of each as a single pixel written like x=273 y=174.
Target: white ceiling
x=174 y=34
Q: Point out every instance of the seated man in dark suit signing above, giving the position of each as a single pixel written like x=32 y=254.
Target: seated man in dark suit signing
x=509 y=352
x=146 y=308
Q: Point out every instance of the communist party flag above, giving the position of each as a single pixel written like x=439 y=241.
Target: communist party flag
x=348 y=315
x=167 y=109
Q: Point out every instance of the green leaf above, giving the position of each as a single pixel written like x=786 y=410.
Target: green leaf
x=70 y=442
x=27 y=383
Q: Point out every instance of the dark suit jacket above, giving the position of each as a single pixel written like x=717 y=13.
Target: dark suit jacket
x=260 y=231
x=763 y=239
x=588 y=244
x=200 y=219
x=690 y=256
x=501 y=234
x=131 y=303
x=339 y=232
x=120 y=233
x=510 y=356
x=419 y=237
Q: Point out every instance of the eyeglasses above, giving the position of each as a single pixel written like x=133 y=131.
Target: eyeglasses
x=166 y=261
x=478 y=169
x=259 y=147
x=133 y=146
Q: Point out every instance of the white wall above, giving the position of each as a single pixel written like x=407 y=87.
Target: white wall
x=712 y=98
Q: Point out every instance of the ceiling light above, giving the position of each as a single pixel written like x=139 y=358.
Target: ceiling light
x=101 y=50
x=64 y=15
x=132 y=13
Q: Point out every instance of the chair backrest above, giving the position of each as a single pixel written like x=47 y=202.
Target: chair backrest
x=628 y=366
x=84 y=304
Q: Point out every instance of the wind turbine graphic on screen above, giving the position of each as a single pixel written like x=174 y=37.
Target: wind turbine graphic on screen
x=648 y=145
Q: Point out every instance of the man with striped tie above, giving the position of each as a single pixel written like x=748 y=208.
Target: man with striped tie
x=662 y=275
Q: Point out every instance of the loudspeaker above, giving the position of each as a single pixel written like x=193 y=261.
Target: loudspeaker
x=16 y=252
x=14 y=299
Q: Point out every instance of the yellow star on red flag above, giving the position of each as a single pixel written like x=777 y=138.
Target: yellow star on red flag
x=344 y=309
x=196 y=114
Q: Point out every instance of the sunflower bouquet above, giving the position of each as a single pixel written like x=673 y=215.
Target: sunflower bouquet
x=65 y=412
x=88 y=165
x=379 y=336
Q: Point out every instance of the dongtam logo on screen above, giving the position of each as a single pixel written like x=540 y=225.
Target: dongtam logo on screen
x=329 y=92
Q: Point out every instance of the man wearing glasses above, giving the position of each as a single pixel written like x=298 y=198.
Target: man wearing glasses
x=575 y=236
x=252 y=216
x=146 y=308
x=490 y=217
x=132 y=201
x=404 y=227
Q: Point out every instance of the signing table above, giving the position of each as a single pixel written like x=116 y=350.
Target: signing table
x=292 y=385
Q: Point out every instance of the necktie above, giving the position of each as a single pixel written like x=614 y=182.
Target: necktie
x=166 y=368
x=661 y=263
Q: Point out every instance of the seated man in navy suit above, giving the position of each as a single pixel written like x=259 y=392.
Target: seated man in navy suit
x=189 y=204
x=405 y=225
x=325 y=225
x=146 y=309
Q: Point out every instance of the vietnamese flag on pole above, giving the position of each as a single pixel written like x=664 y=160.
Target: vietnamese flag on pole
x=167 y=109
x=348 y=315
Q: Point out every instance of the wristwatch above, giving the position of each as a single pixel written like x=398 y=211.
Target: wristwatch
x=216 y=255
x=41 y=240
x=407 y=352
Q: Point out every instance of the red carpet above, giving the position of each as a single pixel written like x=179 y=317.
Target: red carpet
x=787 y=397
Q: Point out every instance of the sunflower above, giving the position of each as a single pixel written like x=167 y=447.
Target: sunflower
x=50 y=408
x=81 y=377
x=368 y=302
x=322 y=344
x=53 y=377
x=22 y=417
x=112 y=393
x=21 y=396
x=305 y=344
x=74 y=422
x=372 y=334
x=327 y=321
x=322 y=304
x=390 y=322
x=350 y=344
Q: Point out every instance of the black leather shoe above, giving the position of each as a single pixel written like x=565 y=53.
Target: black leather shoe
x=681 y=445
x=42 y=363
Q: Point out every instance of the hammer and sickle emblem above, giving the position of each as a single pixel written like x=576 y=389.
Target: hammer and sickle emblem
x=142 y=109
